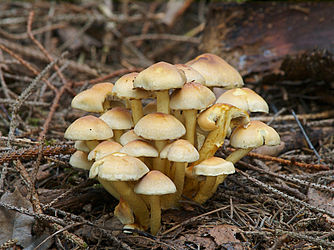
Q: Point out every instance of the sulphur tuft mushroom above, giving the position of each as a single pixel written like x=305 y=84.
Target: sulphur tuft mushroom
x=153 y=185
x=160 y=78
x=80 y=160
x=103 y=149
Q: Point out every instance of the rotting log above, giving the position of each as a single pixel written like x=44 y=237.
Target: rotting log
x=258 y=37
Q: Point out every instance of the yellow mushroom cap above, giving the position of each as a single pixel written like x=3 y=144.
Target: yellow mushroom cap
x=159 y=126
x=254 y=135
x=118 y=118
x=155 y=183
x=103 y=149
x=129 y=136
x=214 y=166
x=93 y=99
x=118 y=167
x=88 y=128
x=150 y=107
x=216 y=71
x=180 y=151
x=139 y=148
x=79 y=160
x=124 y=88
x=192 y=96
x=160 y=76
x=245 y=99
x=191 y=74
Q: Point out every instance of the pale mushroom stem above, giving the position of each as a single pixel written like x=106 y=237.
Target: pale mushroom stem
x=136 y=203
x=205 y=189
x=106 y=185
x=155 y=220
x=180 y=169
x=158 y=163
x=137 y=110
x=233 y=157
x=92 y=144
x=163 y=101
x=117 y=134
x=190 y=122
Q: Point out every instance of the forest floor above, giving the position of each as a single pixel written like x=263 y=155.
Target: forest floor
x=278 y=199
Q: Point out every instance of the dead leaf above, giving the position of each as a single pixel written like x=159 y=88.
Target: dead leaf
x=322 y=200
x=224 y=235
x=15 y=225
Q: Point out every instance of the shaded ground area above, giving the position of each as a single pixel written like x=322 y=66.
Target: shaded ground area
x=284 y=200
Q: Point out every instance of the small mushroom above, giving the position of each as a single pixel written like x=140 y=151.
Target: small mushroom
x=103 y=149
x=94 y=99
x=216 y=71
x=159 y=127
x=123 y=212
x=191 y=98
x=160 y=77
x=116 y=170
x=192 y=75
x=79 y=160
x=155 y=184
x=211 y=168
x=129 y=136
x=119 y=119
x=124 y=89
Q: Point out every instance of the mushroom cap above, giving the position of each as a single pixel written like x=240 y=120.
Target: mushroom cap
x=139 y=148
x=79 y=160
x=118 y=118
x=160 y=76
x=254 y=135
x=103 y=149
x=155 y=183
x=150 y=107
x=124 y=88
x=180 y=151
x=159 y=126
x=192 y=96
x=88 y=128
x=93 y=99
x=129 y=136
x=216 y=71
x=208 y=118
x=214 y=166
x=118 y=167
x=191 y=74
x=245 y=99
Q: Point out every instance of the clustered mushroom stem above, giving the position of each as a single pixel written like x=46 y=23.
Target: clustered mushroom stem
x=190 y=122
x=180 y=169
x=137 y=110
x=136 y=203
x=117 y=134
x=158 y=163
x=163 y=101
x=205 y=189
x=215 y=139
x=234 y=157
x=107 y=186
x=155 y=214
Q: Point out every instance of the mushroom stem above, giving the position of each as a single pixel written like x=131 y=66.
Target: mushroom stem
x=136 y=203
x=190 y=122
x=155 y=220
x=163 y=101
x=215 y=138
x=92 y=144
x=109 y=188
x=137 y=110
x=158 y=163
x=233 y=157
x=117 y=134
x=205 y=189
x=180 y=169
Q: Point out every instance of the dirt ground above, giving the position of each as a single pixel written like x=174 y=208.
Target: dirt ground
x=279 y=198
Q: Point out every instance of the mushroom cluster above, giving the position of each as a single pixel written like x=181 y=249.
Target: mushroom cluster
x=149 y=156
